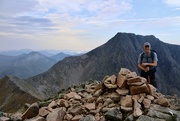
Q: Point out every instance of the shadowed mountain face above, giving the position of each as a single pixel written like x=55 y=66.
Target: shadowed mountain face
x=12 y=97
x=120 y=51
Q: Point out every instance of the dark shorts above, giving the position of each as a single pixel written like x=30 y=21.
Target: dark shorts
x=151 y=75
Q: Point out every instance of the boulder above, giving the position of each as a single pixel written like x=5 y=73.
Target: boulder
x=129 y=118
x=122 y=77
x=88 y=118
x=114 y=115
x=114 y=96
x=122 y=91
x=31 y=112
x=139 y=89
x=137 y=109
x=146 y=103
x=121 y=81
x=108 y=101
x=126 y=101
x=37 y=118
x=73 y=95
x=150 y=97
x=56 y=115
x=162 y=101
x=140 y=100
x=76 y=110
x=68 y=117
x=90 y=106
x=76 y=118
x=98 y=93
x=131 y=75
x=106 y=109
x=16 y=117
x=110 y=82
x=147 y=118
x=62 y=103
x=124 y=71
x=43 y=111
x=136 y=81
x=52 y=105
x=136 y=97
x=152 y=89
x=157 y=114
x=3 y=118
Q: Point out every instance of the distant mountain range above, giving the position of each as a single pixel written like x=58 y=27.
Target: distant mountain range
x=47 y=53
x=59 y=56
x=121 y=51
x=27 y=65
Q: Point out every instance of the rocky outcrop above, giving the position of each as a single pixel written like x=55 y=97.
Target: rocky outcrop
x=111 y=99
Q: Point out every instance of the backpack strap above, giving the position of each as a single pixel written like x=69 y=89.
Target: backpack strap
x=152 y=55
x=142 y=56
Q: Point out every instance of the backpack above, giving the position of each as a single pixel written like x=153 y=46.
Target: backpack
x=152 y=56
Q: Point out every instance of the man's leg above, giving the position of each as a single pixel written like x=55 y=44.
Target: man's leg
x=144 y=74
x=153 y=81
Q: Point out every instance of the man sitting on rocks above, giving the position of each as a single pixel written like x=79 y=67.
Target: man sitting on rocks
x=147 y=62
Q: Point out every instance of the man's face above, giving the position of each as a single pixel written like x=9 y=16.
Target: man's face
x=147 y=49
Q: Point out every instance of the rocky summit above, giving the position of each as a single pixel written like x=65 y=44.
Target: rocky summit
x=121 y=51
x=125 y=97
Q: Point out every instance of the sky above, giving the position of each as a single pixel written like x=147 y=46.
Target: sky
x=82 y=25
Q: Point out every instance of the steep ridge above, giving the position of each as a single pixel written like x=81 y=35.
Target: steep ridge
x=12 y=97
x=120 y=51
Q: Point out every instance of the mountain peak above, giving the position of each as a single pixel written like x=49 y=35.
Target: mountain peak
x=35 y=55
x=133 y=34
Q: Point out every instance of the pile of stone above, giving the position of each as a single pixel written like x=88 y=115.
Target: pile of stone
x=126 y=97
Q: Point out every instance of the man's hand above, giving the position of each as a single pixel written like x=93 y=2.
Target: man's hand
x=145 y=64
x=146 y=69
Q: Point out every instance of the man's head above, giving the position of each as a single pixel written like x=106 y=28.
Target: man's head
x=147 y=47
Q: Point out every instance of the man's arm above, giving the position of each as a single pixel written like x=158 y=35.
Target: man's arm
x=143 y=67
x=154 y=64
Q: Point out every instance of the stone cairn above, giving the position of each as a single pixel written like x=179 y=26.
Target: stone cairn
x=126 y=97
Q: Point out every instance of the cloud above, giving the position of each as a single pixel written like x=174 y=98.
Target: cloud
x=146 y=22
x=26 y=25
x=17 y=16
x=61 y=15
x=86 y=10
x=173 y=3
x=16 y=7
x=178 y=8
